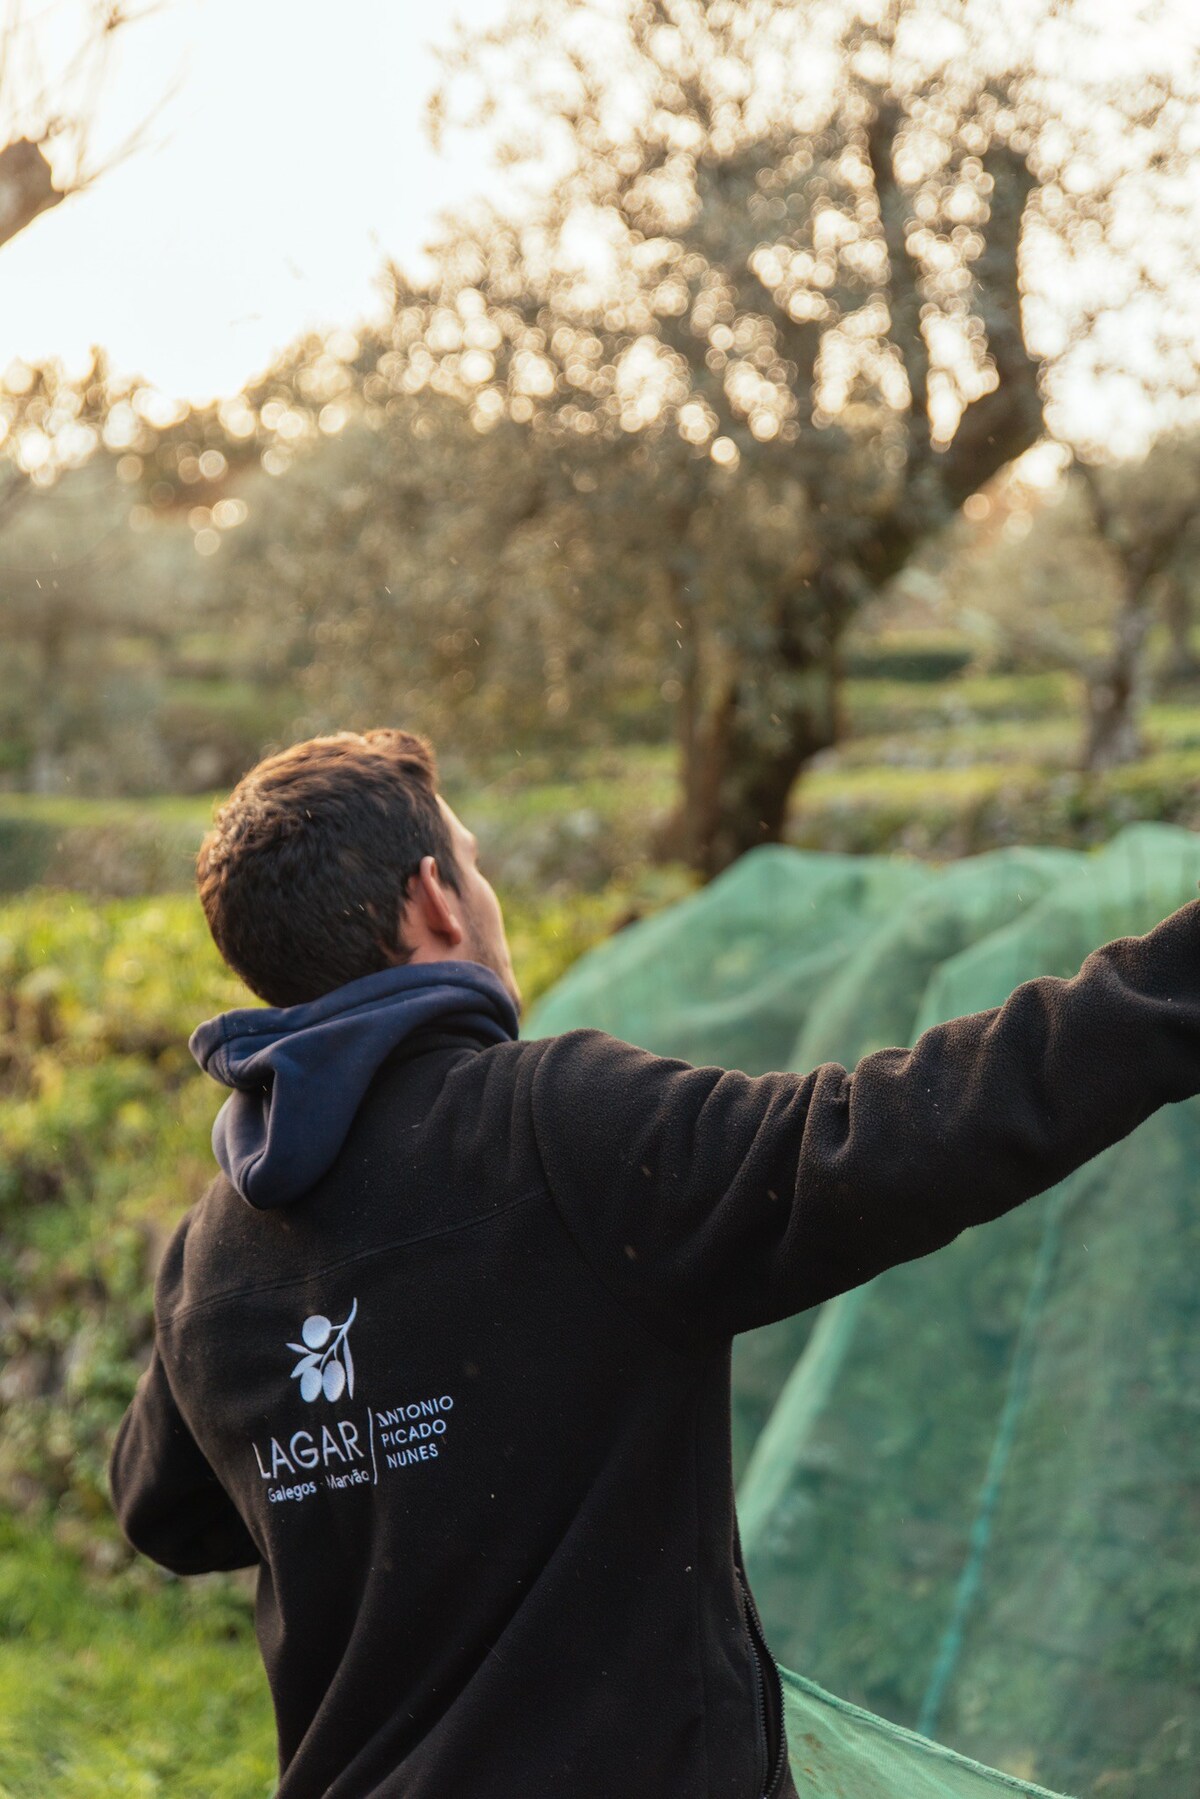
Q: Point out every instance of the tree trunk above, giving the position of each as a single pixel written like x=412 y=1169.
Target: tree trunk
x=742 y=787
x=672 y=839
x=764 y=721
x=1116 y=690
x=1181 y=663
x=51 y=646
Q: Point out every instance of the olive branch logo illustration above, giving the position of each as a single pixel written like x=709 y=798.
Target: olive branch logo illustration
x=325 y=1365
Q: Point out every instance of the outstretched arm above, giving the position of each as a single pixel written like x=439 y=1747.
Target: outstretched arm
x=710 y=1202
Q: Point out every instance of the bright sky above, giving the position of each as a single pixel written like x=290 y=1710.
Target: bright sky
x=285 y=161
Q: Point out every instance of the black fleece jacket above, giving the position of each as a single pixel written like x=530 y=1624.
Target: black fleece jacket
x=466 y=1403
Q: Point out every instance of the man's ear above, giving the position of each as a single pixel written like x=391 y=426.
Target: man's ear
x=430 y=916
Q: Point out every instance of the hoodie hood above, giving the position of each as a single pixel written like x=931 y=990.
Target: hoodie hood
x=299 y=1073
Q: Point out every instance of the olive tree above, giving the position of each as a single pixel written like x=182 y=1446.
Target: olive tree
x=833 y=269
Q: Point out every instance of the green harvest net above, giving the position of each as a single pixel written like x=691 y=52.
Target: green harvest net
x=969 y=1492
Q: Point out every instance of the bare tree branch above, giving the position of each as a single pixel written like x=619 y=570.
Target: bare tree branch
x=26 y=186
x=1003 y=424
x=904 y=292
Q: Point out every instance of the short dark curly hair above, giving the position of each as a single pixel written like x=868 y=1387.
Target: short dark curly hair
x=304 y=874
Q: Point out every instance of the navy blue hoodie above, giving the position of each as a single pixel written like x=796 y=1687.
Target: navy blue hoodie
x=444 y=1350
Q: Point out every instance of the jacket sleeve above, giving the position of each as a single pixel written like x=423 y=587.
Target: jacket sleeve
x=709 y=1202
x=168 y=1501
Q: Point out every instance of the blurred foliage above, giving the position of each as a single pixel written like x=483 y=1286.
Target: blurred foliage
x=552 y=501
x=1077 y=576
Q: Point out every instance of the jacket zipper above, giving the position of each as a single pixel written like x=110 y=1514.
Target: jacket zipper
x=776 y=1760
x=763 y=1767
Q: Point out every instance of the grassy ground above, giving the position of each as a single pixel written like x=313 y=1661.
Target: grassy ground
x=938 y=769
x=125 y=1687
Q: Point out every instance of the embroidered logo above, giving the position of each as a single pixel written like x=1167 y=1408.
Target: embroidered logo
x=336 y=1453
x=326 y=1364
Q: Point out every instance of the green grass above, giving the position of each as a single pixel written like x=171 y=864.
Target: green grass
x=873 y=706
x=100 y=846
x=130 y=1687
x=64 y=811
x=1043 y=744
x=543 y=824
x=938 y=768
